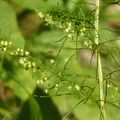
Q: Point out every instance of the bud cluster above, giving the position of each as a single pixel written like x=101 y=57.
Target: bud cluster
x=70 y=87
x=4 y=45
x=20 y=53
x=88 y=44
x=24 y=58
x=42 y=80
x=47 y=18
x=66 y=22
x=76 y=86
x=26 y=63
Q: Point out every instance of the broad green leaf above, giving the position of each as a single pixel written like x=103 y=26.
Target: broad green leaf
x=8 y=24
x=23 y=84
x=30 y=110
x=37 y=108
x=48 y=108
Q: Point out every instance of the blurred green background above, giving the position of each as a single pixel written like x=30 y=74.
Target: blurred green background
x=19 y=91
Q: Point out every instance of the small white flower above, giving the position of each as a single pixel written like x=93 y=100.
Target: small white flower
x=77 y=87
x=81 y=34
x=10 y=43
x=72 y=31
x=27 y=53
x=25 y=59
x=90 y=47
x=41 y=81
x=66 y=30
x=40 y=14
x=69 y=28
x=83 y=29
x=18 y=49
x=29 y=63
x=70 y=24
x=3 y=49
x=69 y=87
x=5 y=43
x=12 y=53
x=38 y=81
x=85 y=43
x=21 y=50
x=33 y=64
x=60 y=26
x=69 y=35
x=45 y=78
x=25 y=64
x=15 y=53
x=46 y=91
x=56 y=85
x=52 y=61
x=21 y=61
x=2 y=42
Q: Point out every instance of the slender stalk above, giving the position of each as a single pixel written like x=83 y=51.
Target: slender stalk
x=99 y=65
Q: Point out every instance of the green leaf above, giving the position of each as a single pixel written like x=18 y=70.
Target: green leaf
x=48 y=108
x=8 y=24
x=23 y=85
x=30 y=110
x=37 y=108
x=3 y=111
x=42 y=4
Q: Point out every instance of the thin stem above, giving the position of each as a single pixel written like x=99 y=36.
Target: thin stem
x=99 y=65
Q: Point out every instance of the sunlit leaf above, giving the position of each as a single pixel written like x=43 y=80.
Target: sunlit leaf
x=8 y=25
x=41 y=4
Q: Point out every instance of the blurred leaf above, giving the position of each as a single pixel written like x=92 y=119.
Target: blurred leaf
x=5 y=113
x=41 y=4
x=23 y=85
x=48 y=108
x=72 y=5
x=39 y=108
x=8 y=24
x=30 y=111
x=48 y=40
x=88 y=111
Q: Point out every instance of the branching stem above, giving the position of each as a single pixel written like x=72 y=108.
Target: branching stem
x=99 y=65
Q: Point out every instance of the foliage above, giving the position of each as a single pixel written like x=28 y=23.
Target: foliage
x=55 y=81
